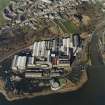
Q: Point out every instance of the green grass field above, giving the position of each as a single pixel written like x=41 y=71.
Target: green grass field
x=69 y=26
x=66 y=26
x=3 y=4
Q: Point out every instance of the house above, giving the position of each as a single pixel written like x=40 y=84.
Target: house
x=43 y=48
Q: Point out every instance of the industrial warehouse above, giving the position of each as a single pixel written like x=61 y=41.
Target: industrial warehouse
x=45 y=63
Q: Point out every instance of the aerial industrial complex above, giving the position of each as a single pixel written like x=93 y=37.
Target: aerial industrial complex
x=49 y=65
x=46 y=60
x=45 y=46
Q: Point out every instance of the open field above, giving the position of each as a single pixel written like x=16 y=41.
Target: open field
x=69 y=26
x=3 y=4
x=66 y=26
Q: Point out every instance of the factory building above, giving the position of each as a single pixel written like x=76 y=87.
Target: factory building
x=68 y=45
x=76 y=40
x=46 y=55
x=30 y=62
x=14 y=62
x=16 y=78
x=37 y=70
x=54 y=57
x=71 y=53
x=34 y=49
x=65 y=45
x=60 y=42
x=21 y=62
x=54 y=61
x=64 y=60
x=38 y=49
x=54 y=48
x=55 y=74
x=33 y=75
x=47 y=45
x=49 y=56
x=64 y=42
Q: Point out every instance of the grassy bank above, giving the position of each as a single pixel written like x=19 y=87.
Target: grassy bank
x=71 y=28
x=66 y=26
x=3 y=4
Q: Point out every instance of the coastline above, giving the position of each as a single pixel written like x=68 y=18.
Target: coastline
x=71 y=87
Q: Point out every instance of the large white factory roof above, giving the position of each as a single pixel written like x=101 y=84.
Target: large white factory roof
x=14 y=63
x=21 y=62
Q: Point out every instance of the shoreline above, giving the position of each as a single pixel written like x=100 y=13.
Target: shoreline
x=71 y=88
